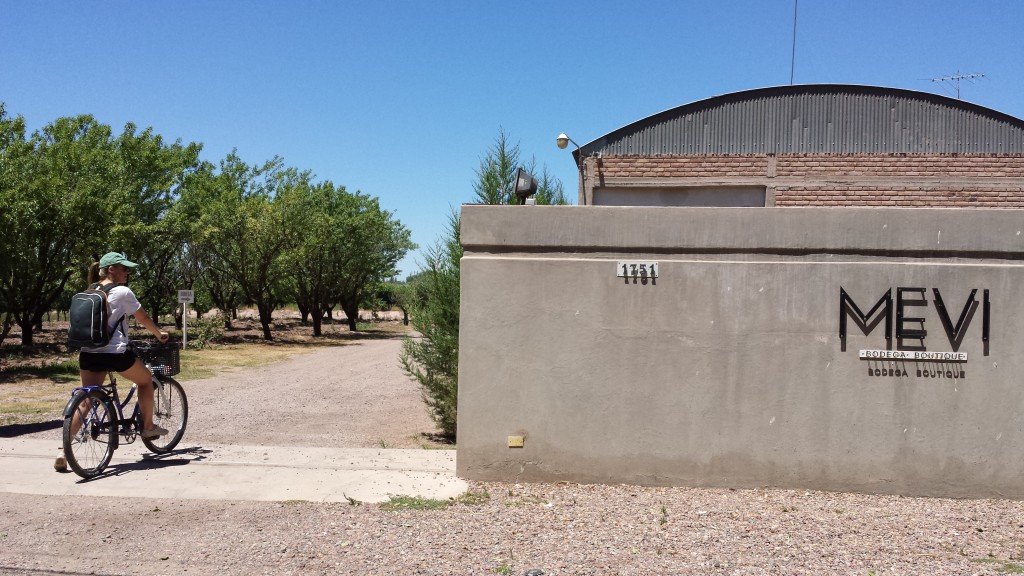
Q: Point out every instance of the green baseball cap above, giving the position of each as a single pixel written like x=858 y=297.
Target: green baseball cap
x=111 y=258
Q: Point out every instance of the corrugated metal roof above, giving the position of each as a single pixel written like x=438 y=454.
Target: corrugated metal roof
x=818 y=118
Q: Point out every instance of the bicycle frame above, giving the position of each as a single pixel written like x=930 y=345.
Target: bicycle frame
x=127 y=427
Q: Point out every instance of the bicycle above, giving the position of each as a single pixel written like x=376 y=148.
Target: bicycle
x=100 y=412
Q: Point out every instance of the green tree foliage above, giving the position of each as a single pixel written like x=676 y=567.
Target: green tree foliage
x=245 y=223
x=313 y=261
x=13 y=164
x=397 y=295
x=148 y=225
x=433 y=360
x=348 y=246
x=72 y=189
x=495 y=177
x=549 y=188
x=236 y=233
x=374 y=242
x=54 y=193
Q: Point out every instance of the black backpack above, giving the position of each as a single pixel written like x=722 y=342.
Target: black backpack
x=88 y=317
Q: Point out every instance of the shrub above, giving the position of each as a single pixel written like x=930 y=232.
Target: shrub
x=433 y=360
x=205 y=331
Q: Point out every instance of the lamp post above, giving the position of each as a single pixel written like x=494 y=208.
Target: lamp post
x=562 y=141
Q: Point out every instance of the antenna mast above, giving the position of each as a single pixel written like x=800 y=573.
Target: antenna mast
x=955 y=80
x=792 y=61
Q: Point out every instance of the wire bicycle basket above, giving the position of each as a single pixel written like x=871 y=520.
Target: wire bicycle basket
x=163 y=359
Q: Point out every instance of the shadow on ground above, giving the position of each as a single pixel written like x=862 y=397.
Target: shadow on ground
x=179 y=457
x=15 y=430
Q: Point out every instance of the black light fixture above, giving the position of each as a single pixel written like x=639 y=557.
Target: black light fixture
x=526 y=185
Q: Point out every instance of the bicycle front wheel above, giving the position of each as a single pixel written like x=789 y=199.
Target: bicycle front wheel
x=170 y=411
x=90 y=434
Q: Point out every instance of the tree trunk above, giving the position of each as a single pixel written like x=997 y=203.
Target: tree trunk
x=329 y=312
x=178 y=311
x=352 y=313
x=304 y=312
x=25 y=323
x=265 y=311
x=405 y=316
x=318 y=317
x=5 y=328
x=234 y=313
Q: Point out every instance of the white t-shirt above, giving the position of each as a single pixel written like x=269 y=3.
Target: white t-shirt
x=122 y=301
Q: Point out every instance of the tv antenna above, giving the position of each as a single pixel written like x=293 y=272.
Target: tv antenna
x=954 y=80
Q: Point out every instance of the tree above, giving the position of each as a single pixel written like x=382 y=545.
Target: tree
x=13 y=164
x=549 y=188
x=246 y=225
x=399 y=295
x=495 y=178
x=312 y=261
x=55 y=194
x=149 y=225
x=433 y=360
x=373 y=243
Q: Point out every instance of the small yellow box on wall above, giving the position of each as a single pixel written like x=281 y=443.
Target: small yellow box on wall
x=515 y=441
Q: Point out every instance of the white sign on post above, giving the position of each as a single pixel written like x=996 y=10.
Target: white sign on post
x=185 y=297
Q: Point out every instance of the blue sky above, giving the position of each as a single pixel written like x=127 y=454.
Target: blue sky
x=401 y=99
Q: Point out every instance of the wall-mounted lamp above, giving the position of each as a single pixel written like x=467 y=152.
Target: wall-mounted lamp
x=562 y=141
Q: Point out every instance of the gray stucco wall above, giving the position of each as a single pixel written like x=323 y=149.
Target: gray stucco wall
x=729 y=370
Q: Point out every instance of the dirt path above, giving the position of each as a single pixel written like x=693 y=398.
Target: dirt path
x=354 y=395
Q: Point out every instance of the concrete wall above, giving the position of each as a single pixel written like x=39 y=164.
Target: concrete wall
x=911 y=180
x=728 y=370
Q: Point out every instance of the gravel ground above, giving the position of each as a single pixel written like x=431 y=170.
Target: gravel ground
x=356 y=395
x=348 y=396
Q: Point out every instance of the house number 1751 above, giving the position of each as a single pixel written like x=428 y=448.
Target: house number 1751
x=638 y=272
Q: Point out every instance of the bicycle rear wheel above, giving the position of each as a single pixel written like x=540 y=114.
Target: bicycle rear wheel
x=89 y=448
x=170 y=411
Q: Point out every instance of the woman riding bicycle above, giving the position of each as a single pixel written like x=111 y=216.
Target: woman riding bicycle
x=117 y=356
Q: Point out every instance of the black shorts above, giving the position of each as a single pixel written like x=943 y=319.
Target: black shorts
x=106 y=362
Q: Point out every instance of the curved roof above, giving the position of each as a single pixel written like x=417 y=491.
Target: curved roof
x=818 y=118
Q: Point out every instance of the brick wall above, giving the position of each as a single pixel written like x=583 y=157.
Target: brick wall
x=902 y=165
x=982 y=181
x=898 y=196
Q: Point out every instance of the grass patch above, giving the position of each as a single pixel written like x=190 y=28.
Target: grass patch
x=198 y=364
x=56 y=370
x=38 y=393
x=398 y=503
x=1002 y=565
x=33 y=400
x=428 y=441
